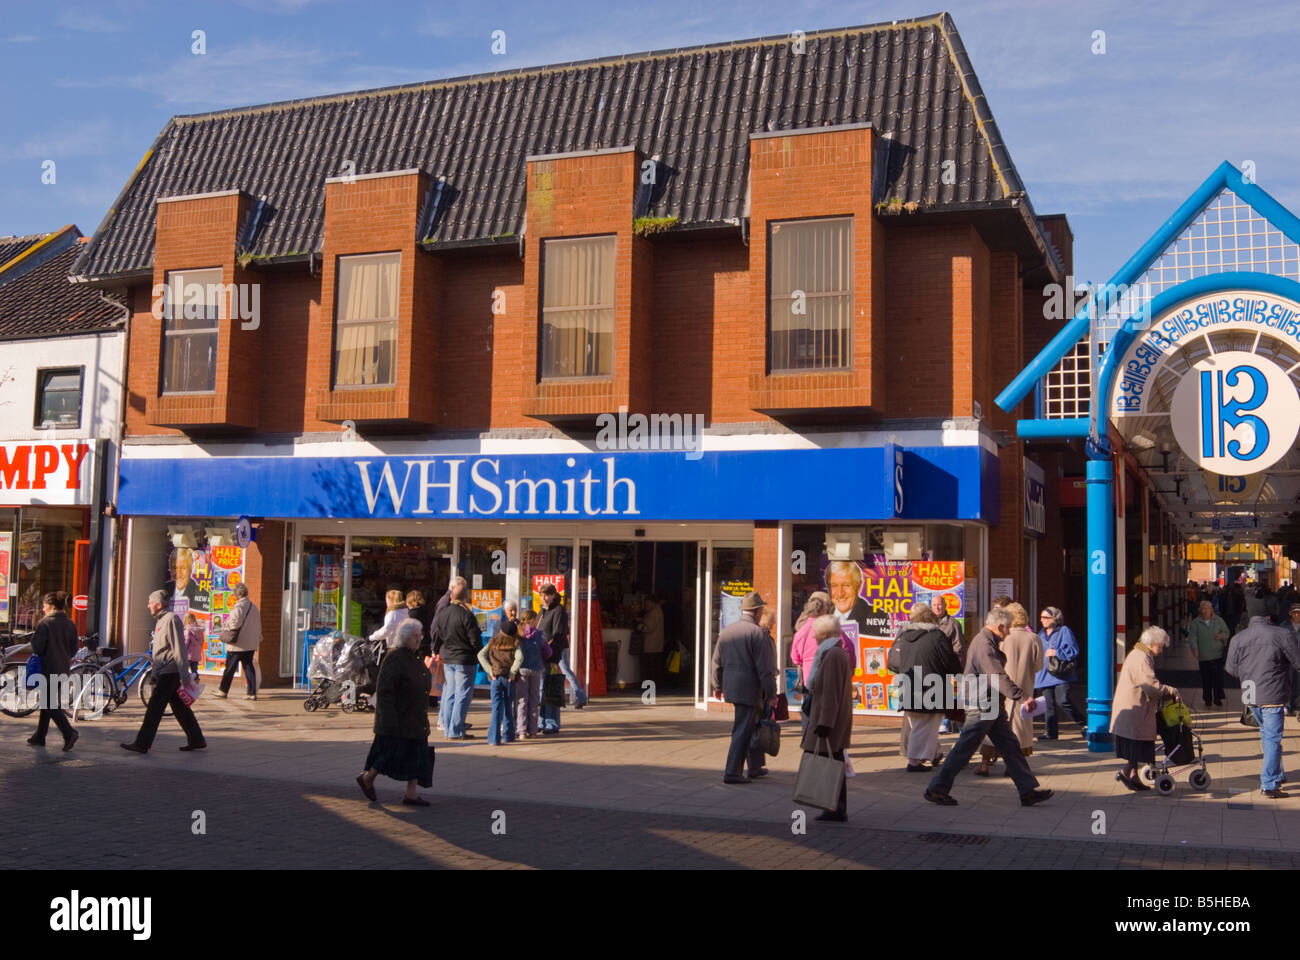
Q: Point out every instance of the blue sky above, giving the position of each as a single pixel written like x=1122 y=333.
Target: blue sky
x=1116 y=141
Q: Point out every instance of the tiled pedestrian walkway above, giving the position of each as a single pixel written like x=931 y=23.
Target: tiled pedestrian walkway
x=662 y=763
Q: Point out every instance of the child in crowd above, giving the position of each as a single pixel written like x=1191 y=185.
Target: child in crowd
x=528 y=691
x=501 y=660
x=193 y=643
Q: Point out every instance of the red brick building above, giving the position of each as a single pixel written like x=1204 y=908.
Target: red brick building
x=400 y=324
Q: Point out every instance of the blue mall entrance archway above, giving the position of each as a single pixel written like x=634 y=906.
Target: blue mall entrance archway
x=1200 y=287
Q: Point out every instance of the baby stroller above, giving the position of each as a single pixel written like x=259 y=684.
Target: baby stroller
x=336 y=661
x=1181 y=747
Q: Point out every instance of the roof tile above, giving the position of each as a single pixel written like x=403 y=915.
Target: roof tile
x=695 y=108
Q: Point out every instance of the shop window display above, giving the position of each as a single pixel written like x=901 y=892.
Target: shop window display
x=873 y=596
x=200 y=579
x=380 y=564
x=482 y=563
x=45 y=559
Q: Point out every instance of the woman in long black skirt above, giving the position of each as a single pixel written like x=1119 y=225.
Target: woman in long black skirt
x=401 y=746
x=1137 y=698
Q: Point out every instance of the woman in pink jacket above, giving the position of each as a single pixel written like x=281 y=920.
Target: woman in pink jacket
x=803 y=649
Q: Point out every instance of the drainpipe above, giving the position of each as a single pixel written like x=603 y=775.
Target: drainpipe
x=109 y=629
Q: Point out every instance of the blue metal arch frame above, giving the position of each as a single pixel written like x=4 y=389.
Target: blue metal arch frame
x=1100 y=469
x=1173 y=297
x=1224 y=176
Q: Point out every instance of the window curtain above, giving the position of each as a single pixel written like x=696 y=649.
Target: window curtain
x=578 y=307
x=816 y=258
x=367 y=319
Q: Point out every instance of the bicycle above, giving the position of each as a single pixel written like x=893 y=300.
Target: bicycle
x=107 y=685
x=16 y=700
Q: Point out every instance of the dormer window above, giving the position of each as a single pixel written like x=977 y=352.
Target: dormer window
x=810 y=294
x=365 y=331
x=577 y=336
x=191 y=314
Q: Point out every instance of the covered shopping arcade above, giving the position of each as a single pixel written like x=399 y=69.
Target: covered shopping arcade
x=1195 y=342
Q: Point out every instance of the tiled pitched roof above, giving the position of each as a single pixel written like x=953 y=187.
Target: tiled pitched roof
x=14 y=247
x=42 y=302
x=693 y=108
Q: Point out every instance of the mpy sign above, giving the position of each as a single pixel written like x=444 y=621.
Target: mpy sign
x=1235 y=413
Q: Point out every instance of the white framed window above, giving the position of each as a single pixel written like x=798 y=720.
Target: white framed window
x=810 y=294
x=58 y=397
x=365 y=320
x=577 y=336
x=191 y=313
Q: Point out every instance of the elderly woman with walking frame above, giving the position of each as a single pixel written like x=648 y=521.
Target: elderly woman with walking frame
x=1137 y=698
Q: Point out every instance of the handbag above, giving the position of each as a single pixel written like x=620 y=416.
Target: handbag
x=766 y=736
x=232 y=636
x=553 y=689
x=674 y=662
x=34 y=671
x=1248 y=717
x=820 y=779
x=781 y=709
x=1061 y=668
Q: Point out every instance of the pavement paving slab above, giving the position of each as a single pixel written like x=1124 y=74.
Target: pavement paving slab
x=625 y=785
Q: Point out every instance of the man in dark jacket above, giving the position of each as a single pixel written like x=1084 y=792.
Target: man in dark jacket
x=925 y=661
x=456 y=639
x=744 y=672
x=986 y=672
x=554 y=624
x=55 y=643
x=1262 y=657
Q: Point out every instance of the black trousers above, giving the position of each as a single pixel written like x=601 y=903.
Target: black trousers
x=842 y=808
x=1058 y=702
x=166 y=693
x=43 y=724
x=1212 y=681
x=742 y=730
x=973 y=732
x=233 y=660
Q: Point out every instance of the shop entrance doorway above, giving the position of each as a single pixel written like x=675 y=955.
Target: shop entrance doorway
x=634 y=614
x=343 y=582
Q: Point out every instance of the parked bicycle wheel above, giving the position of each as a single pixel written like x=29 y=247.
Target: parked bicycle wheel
x=15 y=699
x=94 y=691
x=147 y=685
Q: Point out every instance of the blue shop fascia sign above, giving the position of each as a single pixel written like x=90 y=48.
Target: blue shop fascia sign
x=868 y=483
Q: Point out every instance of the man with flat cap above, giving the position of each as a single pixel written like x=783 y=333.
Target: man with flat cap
x=744 y=671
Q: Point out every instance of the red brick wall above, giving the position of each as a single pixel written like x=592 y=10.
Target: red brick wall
x=378 y=215
x=196 y=234
x=700 y=295
x=701 y=309
x=937 y=338
x=571 y=197
x=998 y=362
x=264 y=571
x=801 y=176
x=767 y=561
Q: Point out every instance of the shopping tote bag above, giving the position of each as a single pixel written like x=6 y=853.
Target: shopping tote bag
x=819 y=779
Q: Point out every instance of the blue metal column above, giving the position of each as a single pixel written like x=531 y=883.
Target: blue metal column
x=1100 y=479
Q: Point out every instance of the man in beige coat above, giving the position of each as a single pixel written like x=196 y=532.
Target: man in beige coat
x=241 y=635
